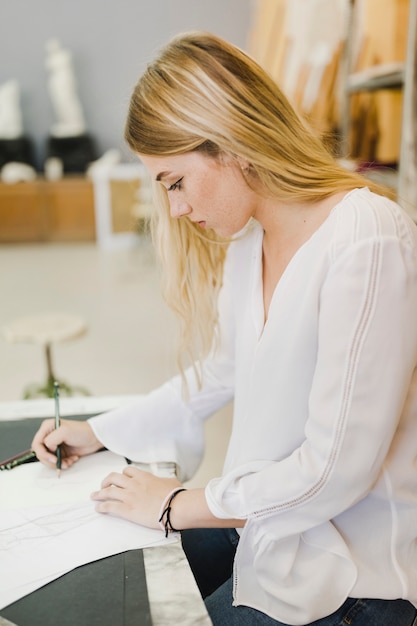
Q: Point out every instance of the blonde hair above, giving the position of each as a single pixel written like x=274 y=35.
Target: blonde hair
x=202 y=93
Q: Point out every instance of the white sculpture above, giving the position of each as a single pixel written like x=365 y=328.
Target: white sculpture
x=108 y=160
x=11 y=126
x=53 y=168
x=14 y=172
x=62 y=88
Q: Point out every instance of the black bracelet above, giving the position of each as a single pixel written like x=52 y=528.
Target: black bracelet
x=167 y=511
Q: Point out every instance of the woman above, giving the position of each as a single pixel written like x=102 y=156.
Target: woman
x=296 y=286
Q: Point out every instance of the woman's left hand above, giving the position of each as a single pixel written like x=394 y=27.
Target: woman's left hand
x=135 y=495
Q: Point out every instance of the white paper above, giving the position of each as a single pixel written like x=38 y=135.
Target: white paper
x=49 y=526
x=36 y=484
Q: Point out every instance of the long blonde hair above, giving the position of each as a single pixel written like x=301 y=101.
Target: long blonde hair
x=202 y=93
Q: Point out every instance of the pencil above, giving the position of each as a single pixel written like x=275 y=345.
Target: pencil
x=57 y=425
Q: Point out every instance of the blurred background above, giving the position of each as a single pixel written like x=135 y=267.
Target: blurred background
x=111 y=43
x=74 y=202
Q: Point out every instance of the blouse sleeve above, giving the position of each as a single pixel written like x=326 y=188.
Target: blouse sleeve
x=167 y=424
x=367 y=352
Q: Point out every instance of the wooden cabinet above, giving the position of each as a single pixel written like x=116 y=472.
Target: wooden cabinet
x=47 y=210
x=69 y=205
x=22 y=212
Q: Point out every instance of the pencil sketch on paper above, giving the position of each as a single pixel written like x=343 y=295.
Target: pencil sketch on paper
x=42 y=517
x=45 y=527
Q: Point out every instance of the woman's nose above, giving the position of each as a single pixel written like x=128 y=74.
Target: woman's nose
x=179 y=209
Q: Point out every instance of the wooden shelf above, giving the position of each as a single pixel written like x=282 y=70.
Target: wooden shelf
x=47 y=210
x=22 y=213
x=388 y=76
x=395 y=75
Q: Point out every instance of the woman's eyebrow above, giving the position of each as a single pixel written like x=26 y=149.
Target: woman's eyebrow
x=162 y=175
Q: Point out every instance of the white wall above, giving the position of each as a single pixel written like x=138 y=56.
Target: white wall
x=111 y=41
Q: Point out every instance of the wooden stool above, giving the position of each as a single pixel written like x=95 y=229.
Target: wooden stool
x=46 y=329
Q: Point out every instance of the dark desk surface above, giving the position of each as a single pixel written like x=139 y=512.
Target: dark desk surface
x=108 y=592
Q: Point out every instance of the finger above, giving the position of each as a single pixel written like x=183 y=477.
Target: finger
x=120 y=509
x=44 y=455
x=108 y=493
x=46 y=458
x=120 y=480
x=50 y=459
x=55 y=438
x=38 y=441
x=68 y=461
x=112 y=507
x=134 y=472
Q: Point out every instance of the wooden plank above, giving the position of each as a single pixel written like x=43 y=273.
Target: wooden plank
x=407 y=187
x=70 y=209
x=267 y=41
x=124 y=197
x=22 y=212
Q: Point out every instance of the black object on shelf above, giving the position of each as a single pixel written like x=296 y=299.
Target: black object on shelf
x=18 y=150
x=76 y=153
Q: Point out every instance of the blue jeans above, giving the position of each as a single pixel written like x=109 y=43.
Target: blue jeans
x=211 y=554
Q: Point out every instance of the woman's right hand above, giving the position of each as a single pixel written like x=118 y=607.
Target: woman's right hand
x=75 y=438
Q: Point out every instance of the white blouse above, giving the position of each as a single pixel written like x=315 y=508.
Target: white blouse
x=322 y=460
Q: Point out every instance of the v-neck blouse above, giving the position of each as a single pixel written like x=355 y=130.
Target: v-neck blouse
x=321 y=460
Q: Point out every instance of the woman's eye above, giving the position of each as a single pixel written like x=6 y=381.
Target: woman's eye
x=176 y=185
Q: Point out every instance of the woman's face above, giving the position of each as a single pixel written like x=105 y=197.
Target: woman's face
x=210 y=191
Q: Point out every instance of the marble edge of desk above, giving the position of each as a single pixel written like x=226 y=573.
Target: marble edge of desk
x=173 y=599
x=6 y=622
